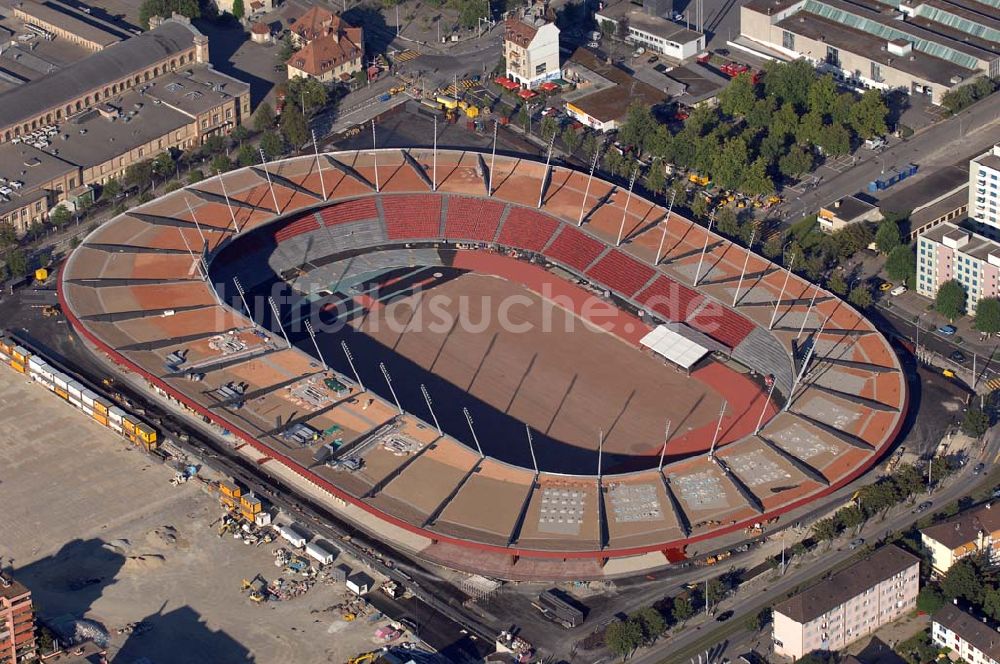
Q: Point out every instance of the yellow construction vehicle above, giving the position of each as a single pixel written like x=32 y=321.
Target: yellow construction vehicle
x=701 y=180
x=363 y=659
x=51 y=310
x=349 y=617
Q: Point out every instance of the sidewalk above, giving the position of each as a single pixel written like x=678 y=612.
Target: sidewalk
x=919 y=310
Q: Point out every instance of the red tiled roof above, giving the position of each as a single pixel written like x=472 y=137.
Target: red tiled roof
x=519 y=32
x=317 y=22
x=325 y=53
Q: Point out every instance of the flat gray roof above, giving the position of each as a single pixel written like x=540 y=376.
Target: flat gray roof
x=661 y=27
x=196 y=89
x=978 y=246
x=65 y=19
x=851 y=207
x=106 y=138
x=114 y=62
x=28 y=164
x=918 y=194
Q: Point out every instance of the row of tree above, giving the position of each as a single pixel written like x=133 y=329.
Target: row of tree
x=951 y=302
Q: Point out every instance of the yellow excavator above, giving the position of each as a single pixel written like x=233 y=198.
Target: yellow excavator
x=366 y=658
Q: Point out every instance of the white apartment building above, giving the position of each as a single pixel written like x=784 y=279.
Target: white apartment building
x=970 y=640
x=531 y=50
x=658 y=34
x=984 y=188
x=849 y=605
x=949 y=252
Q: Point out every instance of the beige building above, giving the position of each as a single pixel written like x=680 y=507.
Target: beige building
x=33 y=183
x=918 y=48
x=64 y=23
x=96 y=80
x=972 y=532
x=849 y=605
x=331 y=58
x=531 y=51
x=847 y=211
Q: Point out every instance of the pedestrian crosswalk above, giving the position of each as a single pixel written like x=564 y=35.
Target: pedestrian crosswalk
x=406 y=56
x=993 y=384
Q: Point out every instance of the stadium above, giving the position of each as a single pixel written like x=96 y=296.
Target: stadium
x=493 y=363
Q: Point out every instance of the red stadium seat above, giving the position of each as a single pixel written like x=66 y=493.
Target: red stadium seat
x=723 y=325
x=574 y=248
x=670 y=299
x=527 y=229
x=472 y=218
x=300 y=226
x=621 y=273
x=343 y=213
x=412 y=217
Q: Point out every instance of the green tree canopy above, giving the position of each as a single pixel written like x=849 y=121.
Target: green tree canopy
x=739 y=97
x=238 y=10
x=796 y=163
x=60 y=216
x=139 y=173
x=221 y=164
x=166 y=9
x=756 y=181
x=549 y=128
x=790 y=82
x=988 y=315
x=822 y=95
x=901 y=265
x=17 y=262
x=683 y=609
x=964 y=581
x=837 y=284
x=651 y=621
x=860 y=297
x=294 y=127
x=760 y=115
x=638 y=127
x=272 y=144
x=623 y=637
x=263 y=117
x=887 y=236
x=308 y=93
x=730 y=164
x=656 y=179
x=950 y=299
x=975 y=423
x=826 y=530
x=929 y=600
x=868 y=116
x=164 y=165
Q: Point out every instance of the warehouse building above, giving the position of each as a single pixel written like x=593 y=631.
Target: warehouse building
x=849 y=605
x=61 y=22
x=652 y=28
x=921 y=46
x=53 y=98
x=604 y=92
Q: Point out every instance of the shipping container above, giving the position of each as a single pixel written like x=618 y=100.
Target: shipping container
x=88 y=397
x=101 y=405
x=76 y=402
x=128 y=424
x=61 y=380
x=17 y=366
x=292 y=535
x=360 y=583
x=61 y=392
x=34 y=362
x=115 y=414
x=321 y=551
x=554 y=604
x=21 y=354
x=75 y=389
x=101 y=419
x=339 y=573
x=146 y=433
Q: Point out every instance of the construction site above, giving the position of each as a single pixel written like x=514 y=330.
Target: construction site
x=146 y=549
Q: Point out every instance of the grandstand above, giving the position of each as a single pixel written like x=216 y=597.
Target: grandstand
x=133 y=289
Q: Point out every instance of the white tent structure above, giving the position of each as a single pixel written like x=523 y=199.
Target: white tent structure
x=674 y=347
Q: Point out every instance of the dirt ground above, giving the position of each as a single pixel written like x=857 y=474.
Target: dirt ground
x=525 y=359
x=96 y=531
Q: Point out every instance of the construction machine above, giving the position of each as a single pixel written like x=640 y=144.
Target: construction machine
x=366 y=658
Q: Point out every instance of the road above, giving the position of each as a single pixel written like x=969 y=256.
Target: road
x=966 y=134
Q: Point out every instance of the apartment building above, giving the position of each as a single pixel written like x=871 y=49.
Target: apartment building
x=849 y=605
x=984 y=188
x=969 y=639
x=975 y=531
x=531 y=50
x=923 y=47
x=950 y=252
x=17 y=622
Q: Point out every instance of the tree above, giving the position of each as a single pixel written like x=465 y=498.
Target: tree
x=166 y=8
x=860 y=297
x=796 y=163
x=850 y=517
x=17 y=262
x=822 y=95
x=294 y=127
x=975 y=423
x=929 y=600
x=221 y=164
x=887 y=236
x=727 y=222
x=139 y=173
x=991 y=603
x=852 y=239
x=623 y=637
x=164 y=165
x=950 y=299
x=60 y=216
x=826 y=530
x=272 y=144
x=549 y=128
x=287 y=49
x=901 y=265
x=214 y=144
x=308 y=93
x=638 y=127
x=699 y=206
x=570 y=139
x=263 y=117
x=683 y=608
x=739 y=97
x=110 y=189
x=238 y=9
x=963 y=581
x=837 y=284
x=730 y=164
x=195 y=175
x=656 y=179
x=650 y=621
x=247 y=156
x=471 y=11
x=756 y=621
x=756 y=181
x=524 y=118
x=760 y=115
x=908 y=479
x=988 y=315
x=772 y=247
x=715 y=592
x=869 y=114
x=591 y=145
x=834 y=139
x=790 y=82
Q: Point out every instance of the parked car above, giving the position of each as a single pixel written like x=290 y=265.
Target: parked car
x=947 y=330
x=855 y=543
x=957 y=356
x=876 y=143
x=653 y=59
x=885 y=286
x=980 y=467
x=922 y=507
x=593 y=44
x=724 y=616
x=898 y=290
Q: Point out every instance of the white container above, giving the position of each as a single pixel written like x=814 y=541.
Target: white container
x=76 y=402
x=116 y=426
x=87 y=397
x=35 y=361
x=294 y=537
x=61 y=380
x=76 y=389
x=321 y=552
x=116 y=414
